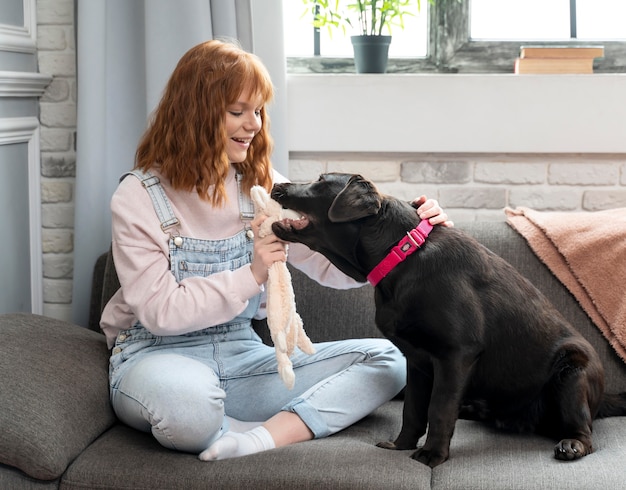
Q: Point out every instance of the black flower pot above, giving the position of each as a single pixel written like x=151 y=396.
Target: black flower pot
x=371 y=53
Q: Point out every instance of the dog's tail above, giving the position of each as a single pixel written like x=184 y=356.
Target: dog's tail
x=612 y=405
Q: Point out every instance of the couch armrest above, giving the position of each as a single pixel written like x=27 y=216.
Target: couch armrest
x=54 y=393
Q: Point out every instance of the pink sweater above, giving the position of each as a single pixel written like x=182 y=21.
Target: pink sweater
x=149 y=291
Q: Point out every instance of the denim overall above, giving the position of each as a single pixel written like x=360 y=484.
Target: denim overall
x=177 y=386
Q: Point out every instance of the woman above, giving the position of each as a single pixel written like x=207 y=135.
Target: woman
x=185 y=362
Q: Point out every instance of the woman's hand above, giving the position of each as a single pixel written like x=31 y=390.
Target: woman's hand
x=429 y=209
x=267 y=250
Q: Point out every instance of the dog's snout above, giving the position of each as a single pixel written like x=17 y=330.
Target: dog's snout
x=279 y=190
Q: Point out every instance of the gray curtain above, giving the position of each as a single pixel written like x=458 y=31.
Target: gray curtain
x=126 y=51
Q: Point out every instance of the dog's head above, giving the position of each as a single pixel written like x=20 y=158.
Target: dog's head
x=331 y=210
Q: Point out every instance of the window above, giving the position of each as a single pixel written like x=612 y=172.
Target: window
x=515 y=20
x=474 y=36
x=601 y=19
x=548 y=19
x=412 y=41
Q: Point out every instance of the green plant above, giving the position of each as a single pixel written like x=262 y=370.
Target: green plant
x=369 y=17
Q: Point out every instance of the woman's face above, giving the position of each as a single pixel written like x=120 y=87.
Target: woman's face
x=243 y=122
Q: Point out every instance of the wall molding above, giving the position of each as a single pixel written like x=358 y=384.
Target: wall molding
x=23 y=84
x=21 y=39
x=15 y=130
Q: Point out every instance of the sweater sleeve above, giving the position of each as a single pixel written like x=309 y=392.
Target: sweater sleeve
x=149 y=289
x=319 y=268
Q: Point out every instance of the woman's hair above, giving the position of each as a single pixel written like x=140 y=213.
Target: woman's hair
x=186 y=138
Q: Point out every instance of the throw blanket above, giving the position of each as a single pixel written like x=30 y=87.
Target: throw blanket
x=587 y=253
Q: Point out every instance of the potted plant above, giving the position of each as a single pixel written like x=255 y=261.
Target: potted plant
x=371 y=19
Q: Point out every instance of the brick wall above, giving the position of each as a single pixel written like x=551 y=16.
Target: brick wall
x=472 y=187
x=56 y=55
x=468 y=186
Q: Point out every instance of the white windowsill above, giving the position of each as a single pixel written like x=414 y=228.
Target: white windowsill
x=461 y=113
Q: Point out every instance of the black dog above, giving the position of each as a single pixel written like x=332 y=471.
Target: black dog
x=480 y=341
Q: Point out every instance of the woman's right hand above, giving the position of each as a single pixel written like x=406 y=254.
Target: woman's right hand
x=267 y=250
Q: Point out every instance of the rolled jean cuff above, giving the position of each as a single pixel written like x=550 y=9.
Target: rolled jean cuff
x=310 y=416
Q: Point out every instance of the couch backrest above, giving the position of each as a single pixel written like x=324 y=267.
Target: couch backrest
x=104 y=285
x=352 y=310
x=330 y=314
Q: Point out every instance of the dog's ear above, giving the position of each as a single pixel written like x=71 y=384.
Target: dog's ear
x=358 y=199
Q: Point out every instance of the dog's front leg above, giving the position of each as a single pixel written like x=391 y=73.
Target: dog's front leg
x=415 y=410
x=450 y=379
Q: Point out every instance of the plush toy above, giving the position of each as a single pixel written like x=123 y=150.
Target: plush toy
x=283 y=320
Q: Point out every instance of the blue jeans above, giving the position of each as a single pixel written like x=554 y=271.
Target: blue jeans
x=180 y=387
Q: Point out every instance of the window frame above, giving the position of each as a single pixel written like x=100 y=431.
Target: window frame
x=451 y=50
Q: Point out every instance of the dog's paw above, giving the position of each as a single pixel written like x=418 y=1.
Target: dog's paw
x=570 y=449
x=429 y=457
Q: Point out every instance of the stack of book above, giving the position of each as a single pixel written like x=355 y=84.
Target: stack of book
x=557 y=59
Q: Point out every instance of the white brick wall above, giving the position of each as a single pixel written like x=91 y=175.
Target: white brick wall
x=56 y=56
x=470 y=187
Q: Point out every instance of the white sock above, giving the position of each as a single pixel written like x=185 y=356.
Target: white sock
x=236 y=444
x=235 y=425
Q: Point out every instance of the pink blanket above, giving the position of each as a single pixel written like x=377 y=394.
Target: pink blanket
x=587 y=253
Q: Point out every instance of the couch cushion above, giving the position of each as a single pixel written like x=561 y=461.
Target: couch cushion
x=14 y=479
x=480 y=458
x=54 y=393
x=483 y=458
x=125 y=458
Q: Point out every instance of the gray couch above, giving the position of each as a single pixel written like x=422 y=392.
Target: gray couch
x=58 y=429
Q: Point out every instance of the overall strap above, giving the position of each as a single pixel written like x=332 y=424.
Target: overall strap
x=159 y=200
x=246 y=206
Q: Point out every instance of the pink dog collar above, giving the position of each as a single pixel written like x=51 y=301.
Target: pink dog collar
x=413 y=240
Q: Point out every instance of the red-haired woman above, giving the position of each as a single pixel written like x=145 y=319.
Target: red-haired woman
x=186 y=364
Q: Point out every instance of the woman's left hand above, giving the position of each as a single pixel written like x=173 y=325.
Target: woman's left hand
x=429 y=209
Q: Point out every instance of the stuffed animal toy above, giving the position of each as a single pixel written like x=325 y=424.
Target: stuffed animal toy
x=284 y=322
